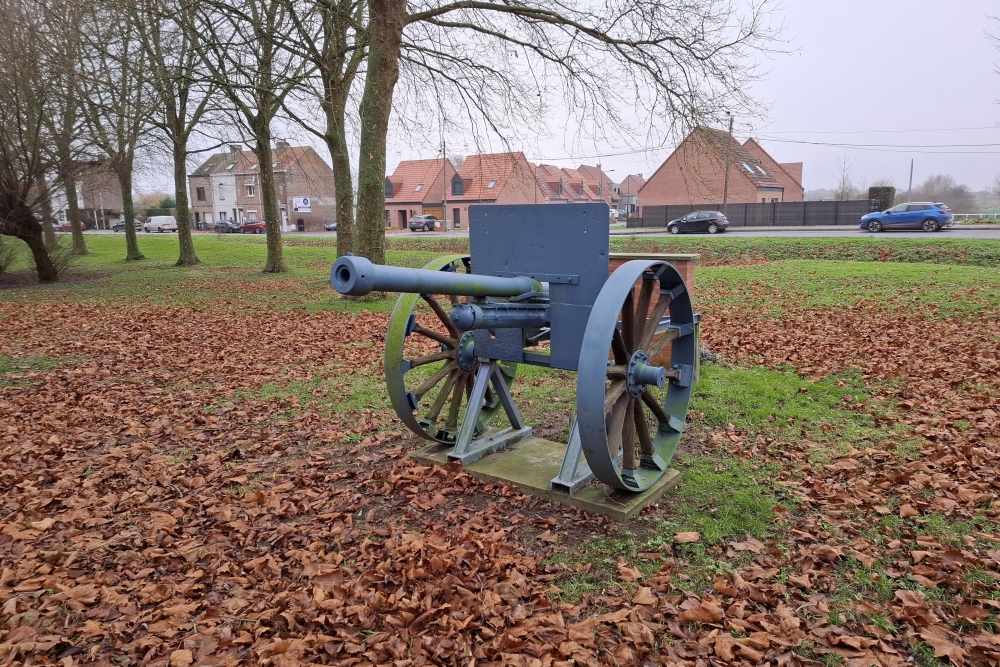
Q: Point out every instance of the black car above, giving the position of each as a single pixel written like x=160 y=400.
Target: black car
x=227 y=227
x=330 y=226
x=120 y=226
x=712 y=222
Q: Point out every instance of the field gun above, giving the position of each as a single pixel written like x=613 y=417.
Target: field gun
x=535 y=290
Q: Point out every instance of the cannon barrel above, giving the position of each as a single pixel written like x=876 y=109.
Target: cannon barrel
x=467 y=316
x=357 y=276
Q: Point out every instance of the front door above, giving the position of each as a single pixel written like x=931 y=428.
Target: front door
x=895 y=217
x=457 y=215
x=402 y=219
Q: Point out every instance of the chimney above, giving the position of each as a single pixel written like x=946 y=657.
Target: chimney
x=281 y=145
x=235 y=149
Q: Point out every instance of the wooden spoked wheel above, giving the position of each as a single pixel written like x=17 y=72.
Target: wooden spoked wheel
x=428 y=387
x=631 y=408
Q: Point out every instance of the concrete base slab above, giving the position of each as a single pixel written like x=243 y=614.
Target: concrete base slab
x=530 y=465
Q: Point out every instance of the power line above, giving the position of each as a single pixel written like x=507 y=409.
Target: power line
x=895 y=148
x=939 y=129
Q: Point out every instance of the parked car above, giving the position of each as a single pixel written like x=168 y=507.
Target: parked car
x=66 y=226
x=227 y=227
x=253 y=227
x=911 y=215
x=712 y=222
x=160 y=223
x=120 y=226
x=425 y=223
x=330 y=226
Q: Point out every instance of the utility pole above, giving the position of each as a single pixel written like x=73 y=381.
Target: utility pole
x=725 y=186
x=910 y=188
x=444 y=178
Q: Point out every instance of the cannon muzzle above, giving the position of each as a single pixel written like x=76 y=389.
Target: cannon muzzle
x=357 y=276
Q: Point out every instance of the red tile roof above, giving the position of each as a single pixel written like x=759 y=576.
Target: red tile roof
x=479 y=171
x=412 y=173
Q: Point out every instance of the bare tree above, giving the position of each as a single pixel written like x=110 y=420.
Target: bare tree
x=995 y=189
x=65 y=119
x=27 y=151
x=329 y=34
x=239 y=43
x=176 y=74
x=845 y=188
x=688 y=59
x=118 y=100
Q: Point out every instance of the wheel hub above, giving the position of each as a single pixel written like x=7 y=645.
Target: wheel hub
x=466 y=354
x=640 y=374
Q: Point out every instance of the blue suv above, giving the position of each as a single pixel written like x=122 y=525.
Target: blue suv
x=912 y=215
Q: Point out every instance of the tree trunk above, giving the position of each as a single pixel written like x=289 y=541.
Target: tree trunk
x=49 y=234
x=43 y=262
x=73 y=214
x=337 y=84
x=123 y=169
x=18 y=216
x=385 y=29
x=187 y=254
x=269 y=199
x=336 y=142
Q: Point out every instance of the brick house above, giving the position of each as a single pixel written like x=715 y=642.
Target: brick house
x=416 y=187
x=498 y=178
x=628 y=190
x=789 y=174
x=227 y=187
x=694 y=174
x=601 y=184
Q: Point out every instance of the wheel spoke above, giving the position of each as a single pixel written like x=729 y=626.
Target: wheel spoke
x=432 y=381
x=656 y=346
x=612 y=394
x=642 y=429
x=655 y=407
x=456 y=401
x=618 y=348
x=628 y=320
x=617 y=372
x=431 y=358
x=617 y=424
x=439 y=311
x=435 y=411
x=642 y=308
x=629 y=460
x=649 y=330
x=434 y=335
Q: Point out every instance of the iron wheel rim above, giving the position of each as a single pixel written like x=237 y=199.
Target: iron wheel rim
x=420 y=402
x=608 y=414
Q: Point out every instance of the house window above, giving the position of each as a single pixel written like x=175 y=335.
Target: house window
x=250 y=191
x=222 y=215
x=761 y=170
x=419 y=188
x=774 y=200
x=200 y=194
x=559 y=188
x=388 y=189
x=222 y=193
x=581 y=187
x=230 y=166
x=457 y=187
x=252 y=216
x=747 y=167
x=491 y=185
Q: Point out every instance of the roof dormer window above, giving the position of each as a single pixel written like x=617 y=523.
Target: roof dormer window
x=388 y=189
x=491 y=185
x=419 y=187
x=761 y=170
x=457 y=186
x=747 y=167
x=230 y=166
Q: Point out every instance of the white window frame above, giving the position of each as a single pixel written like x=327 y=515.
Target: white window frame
x=251 y=192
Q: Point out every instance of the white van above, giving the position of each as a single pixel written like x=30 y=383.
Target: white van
x=160 y=223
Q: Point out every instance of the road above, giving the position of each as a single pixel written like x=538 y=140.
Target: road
x=985 y=232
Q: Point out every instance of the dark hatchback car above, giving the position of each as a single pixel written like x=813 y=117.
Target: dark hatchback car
x=227 y=227
x=425 y=223
x=120 y=226
x=911 y=215
x=712 y=222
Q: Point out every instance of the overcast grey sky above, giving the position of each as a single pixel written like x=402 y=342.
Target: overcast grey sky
x=872 y=72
